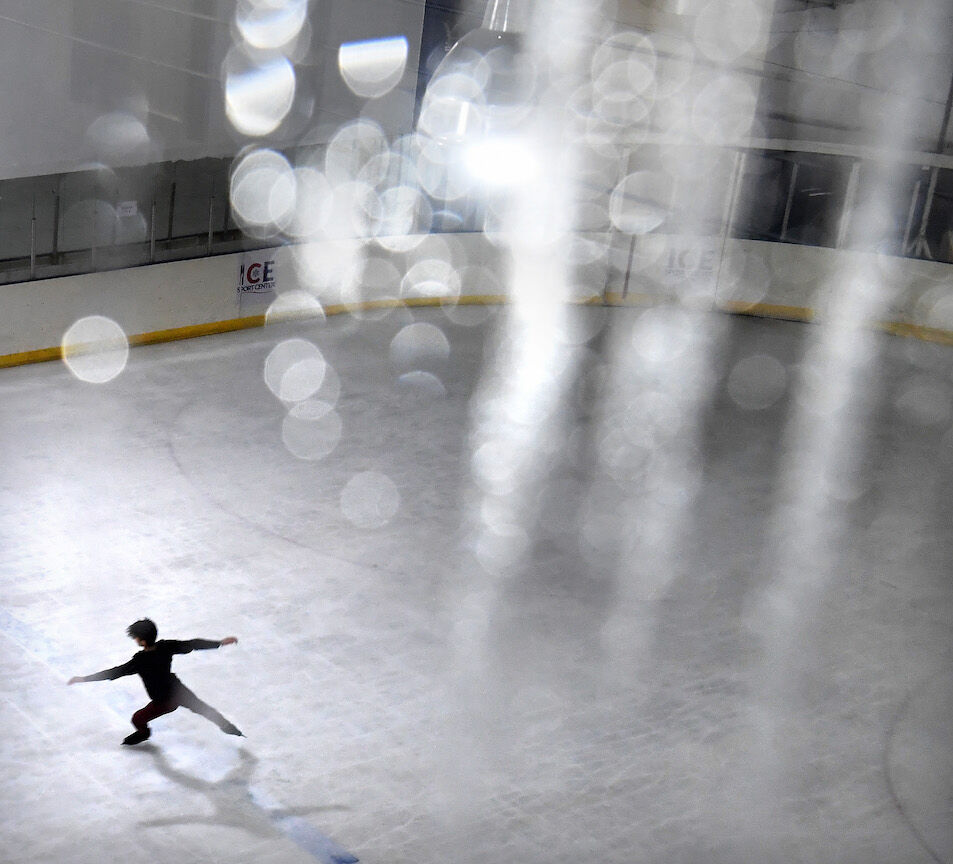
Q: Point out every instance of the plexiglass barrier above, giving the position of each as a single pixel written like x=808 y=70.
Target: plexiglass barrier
x=109 y=218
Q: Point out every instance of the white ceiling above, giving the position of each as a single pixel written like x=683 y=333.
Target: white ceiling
x=70 y=68
x=66 y=64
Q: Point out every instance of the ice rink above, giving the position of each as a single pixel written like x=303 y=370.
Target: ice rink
x=674 y=655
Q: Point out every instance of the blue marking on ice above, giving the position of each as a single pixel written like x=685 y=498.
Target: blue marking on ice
x=301 y=832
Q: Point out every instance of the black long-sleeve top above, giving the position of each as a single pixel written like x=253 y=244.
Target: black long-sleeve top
x=154 y=665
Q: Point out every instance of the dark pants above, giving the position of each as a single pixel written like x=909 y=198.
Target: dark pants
x=181 y=697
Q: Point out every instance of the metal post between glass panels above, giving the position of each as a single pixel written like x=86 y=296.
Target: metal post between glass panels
x=847 y=208
x=33 y=240
x=168 y=235
x=921 y=247
x=911 y=212
x=728 y=216
x=56 y=220
x=789 y=202
x=208 y=245
x=152 y=232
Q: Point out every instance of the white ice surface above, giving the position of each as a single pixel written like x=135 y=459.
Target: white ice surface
x=168 y=492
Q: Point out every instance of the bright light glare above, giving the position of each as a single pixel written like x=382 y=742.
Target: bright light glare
x=502 y=162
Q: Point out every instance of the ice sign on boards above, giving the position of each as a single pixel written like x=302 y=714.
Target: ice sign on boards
x=256 y=276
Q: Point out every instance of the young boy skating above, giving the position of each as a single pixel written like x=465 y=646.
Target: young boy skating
x=154 y=665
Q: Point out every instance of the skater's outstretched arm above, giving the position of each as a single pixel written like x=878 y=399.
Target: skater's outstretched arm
x=105 y=675
x=185 y=646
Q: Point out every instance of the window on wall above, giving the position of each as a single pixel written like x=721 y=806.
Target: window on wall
x=815 y=200
x=792 y=198
x=929 y=230
x=759 y=211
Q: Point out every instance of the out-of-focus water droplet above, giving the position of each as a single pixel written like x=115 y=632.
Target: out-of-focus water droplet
x=757 y=382
x=420 y=383
x=294 y=370
x=373 y=67
x=95 y=349
x=370 y=500
x=454 y=109
x=293 y=305
x=311 y=429
x=331 y=265
x=495 y=466
x=745 y=279
x=634 y=51
x=351 y=149
x=419 y=345
x=373 y=291
x=662 y=335
x=673 y=70
x=433 y=278
x=823 y=49
x=405 y=219
x=270 y=23
x=443 y=171
x=263 y=191
x=641 y=202
x=499 y=551
x=312 y=206
x=354 y=209
x=118 y=135
x=481 y=284
x=259 y=91
x=926 y=402
x=727 y=29
x=89 y=223
x=723 y=110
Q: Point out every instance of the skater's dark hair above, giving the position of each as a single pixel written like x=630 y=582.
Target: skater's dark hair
x=143 y=629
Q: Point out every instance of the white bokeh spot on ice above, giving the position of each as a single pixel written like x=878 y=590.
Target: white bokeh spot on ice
x=757 y=382
x=95 y=349
x=424 y=384
x=294 y=370
x=370 y=500
x=417 y=345
x=311 y=429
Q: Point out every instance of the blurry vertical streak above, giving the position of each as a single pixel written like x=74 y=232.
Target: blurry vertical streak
x=825 y=440
x=517 y=422
x=648 y=439
x=519 y=410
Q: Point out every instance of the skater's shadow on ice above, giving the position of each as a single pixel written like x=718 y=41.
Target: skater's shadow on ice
x=236 y=802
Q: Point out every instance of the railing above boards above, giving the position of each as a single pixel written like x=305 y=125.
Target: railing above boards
x=782 y=192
